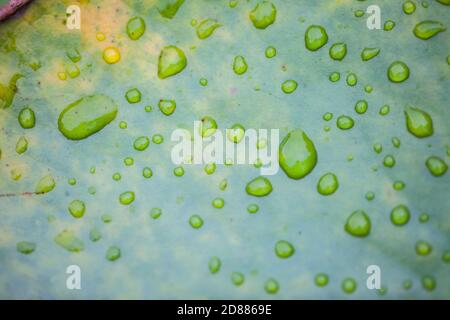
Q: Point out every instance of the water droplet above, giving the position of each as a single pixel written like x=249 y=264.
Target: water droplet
x=77 y=208
x=45 y=184
x=196 y=221
x=423 y=248
x=327 y=116
x=428 y=29
x=86 y=116
x=208 y=127
x=315 y=37
x=359 y=13
x=214 y=265
x=284 y=249
x=429 y=283
x=297 y=154
x=384 y=110
x=128 y=161
x=74 y=55
x=237 y=278
x=418 y=122
x=141 y=143
x=396 y=142
x=100 y=36
x=135 y=28
x=72 y=70
x=389 y=25
x=236 y=133
x=263 y=14
x=126 y=197
x=424 y=217
x=409 y=7
x=239 y=65
x=335 y=76
x=232 y=3
x=210 y=168
x=252 y=208
x=95 y=235
x=167 y=107
x=72 y=181
x=155 y=213
x=22 y=145
x=178 y=171
x=203 y=82
x=446 y=256
x=361 y=106
x=289 y=86
x=400 y=215
x=358 y=224
x=270 y=52
x=436 y=166
x=389 y=161
x=218 y=203
x=157 y=139
x=399 y=185
x=369 y=53
x=321 y=280
x=111 y=55
x=123 y=125
x=116 y=176
x=349 y=285
x=133 y=95
x=69 y=241
x=170 y=8
x=172 y=60
x=26 y=247
x=352 y=79
x=206 y=28
x=344 y=122
x=259 y=187
x=106 y=218
x=398 y=72
x=407 y=284
x=113 y=253
x=27 y=119
x=148 y=108
x=338 y=51
x=271 y=286
x=328 y=184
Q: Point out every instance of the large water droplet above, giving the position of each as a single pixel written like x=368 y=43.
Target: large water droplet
x=358 y=224
x=418 y=122
x=263 y=14
x=315 y=37
x=428 y=29
x=171 y=61
x=398 y=72
x=297 y=154
x=86 y=116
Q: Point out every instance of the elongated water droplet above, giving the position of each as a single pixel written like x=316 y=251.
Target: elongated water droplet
x=369 y=53
x=315 y=37
x=428 y=29
x=69 y=241
x=86 y=116
x=45 y=184
x=172 y=60
x=25 y=247
x=297 y=154
x=206 y=28
x=263 y=14
x=358 y=224
x=214 y=265
x=259 y=187
x=418 y=122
